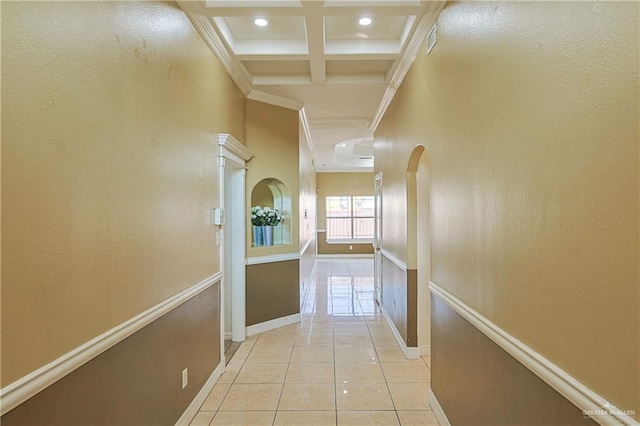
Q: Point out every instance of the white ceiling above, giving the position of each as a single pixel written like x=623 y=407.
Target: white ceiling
x=314 y=56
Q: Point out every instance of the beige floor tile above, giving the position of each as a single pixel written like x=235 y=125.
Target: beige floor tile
x=383 y=338
x=427 y=360
x=315 y=327
x=252 y=397
x=312 y=354
x=352 y=339
x=230 y=372
x=406 y=372
x=367 y=418
x=244 y=418
x=363 y=397
x=308 y=397
x=410 y=396
x=417 y=418
x=315 y=372
x=241 y=353
x=390 y=353
x=314 y=339
x=217 y=394
x=267 y=354
x=276 y=339
x=362 y=372
x=203 y=418
x=346 y=354
x=325 y=318
x=262 y=373
x=298 y=418
x=351 y=327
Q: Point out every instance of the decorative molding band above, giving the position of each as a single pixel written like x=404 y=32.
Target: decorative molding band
x=230 y=145
x=437 y=409
x=324 y=231
x=399 y=263
x=271 y=324
x=21 y=390
x=258 y=260
x=409 y=353
x=581 y=396
x=193 y=408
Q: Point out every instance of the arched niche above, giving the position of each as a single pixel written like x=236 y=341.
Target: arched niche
x=271 y=192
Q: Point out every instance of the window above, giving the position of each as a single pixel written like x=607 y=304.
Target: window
x=350 y=218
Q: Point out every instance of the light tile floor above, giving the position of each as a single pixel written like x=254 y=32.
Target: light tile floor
x=339 y=366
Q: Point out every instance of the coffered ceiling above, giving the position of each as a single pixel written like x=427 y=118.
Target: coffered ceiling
x=317 y=57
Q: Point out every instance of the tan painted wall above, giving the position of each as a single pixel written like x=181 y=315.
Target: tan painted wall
x=529 y=114
x=109 y=168
x=334 y=184
x=272 y=135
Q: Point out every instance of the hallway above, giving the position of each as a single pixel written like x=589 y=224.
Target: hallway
x=339 y=365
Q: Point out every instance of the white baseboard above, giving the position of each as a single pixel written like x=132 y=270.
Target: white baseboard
x=409 y=353
x=228 y=335
x=340 y=256
x=591 y=403
x=425 y=350
x=22 y=389
x=437 y=410
x=197 y=402
x=274 y=323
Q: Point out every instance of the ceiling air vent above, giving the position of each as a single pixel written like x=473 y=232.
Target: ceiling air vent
x=432 y=38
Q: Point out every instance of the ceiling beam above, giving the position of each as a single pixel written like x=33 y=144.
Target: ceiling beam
x=314 y=24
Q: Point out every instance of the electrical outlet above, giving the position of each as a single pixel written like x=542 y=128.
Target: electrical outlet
x=350 y=247
x=185 y=378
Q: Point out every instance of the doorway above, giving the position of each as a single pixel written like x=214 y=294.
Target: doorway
x=233 y=156
x=419 y=240
x=377 y=240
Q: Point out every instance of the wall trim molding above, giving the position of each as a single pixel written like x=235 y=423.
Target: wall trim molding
x=193 y=408
x=580 y=395
x=230 y=145
x=271 y=324
x=409 y=353
x=22 y=389
x=437 y=409
x=425 y=350
x=306 y=246
x=257 y=260
x=399 y=263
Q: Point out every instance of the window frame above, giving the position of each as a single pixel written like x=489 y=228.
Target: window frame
x=351 y=217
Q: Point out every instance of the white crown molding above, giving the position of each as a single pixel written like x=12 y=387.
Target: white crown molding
x=204 y=26
x=581 y=396
x=230 y=145
x=259 y=260
x=193 y=408
x=21 y=390
x=402 y=65
x=276 y=100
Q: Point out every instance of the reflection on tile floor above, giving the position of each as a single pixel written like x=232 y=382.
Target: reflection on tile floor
x=339 y=366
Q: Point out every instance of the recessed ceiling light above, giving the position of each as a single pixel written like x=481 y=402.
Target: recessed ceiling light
x=261 y=22
x=365 y=21
x=343 y=145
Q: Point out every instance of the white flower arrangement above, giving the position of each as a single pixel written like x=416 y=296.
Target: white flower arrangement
x=265 y=216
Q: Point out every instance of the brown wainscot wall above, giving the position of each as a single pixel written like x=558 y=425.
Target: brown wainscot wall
x=137 y=381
